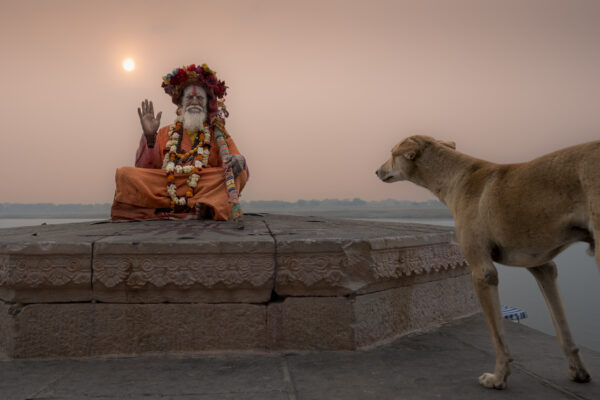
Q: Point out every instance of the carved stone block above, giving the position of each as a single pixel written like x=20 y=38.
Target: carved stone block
x=311 y=323
x=190 y=262
x=382 y=315
x=45 y=272
x=433 y=303
x=385 y=315
x=49 y=263
x=352 y=267
x=6 y=331
x=351 y=322
x=322 y=257
x=82 y=330
x=183 y=278
x=283 y=283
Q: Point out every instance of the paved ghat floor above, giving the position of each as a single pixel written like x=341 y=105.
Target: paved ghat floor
x=443 y=363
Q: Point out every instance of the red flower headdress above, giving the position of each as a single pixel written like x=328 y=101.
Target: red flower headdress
x=175 y=82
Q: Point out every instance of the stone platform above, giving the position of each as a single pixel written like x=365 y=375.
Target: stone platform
x=181 y=287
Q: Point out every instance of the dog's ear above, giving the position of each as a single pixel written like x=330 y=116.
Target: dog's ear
x=409 y=149
x=410 y=154
x=452 y=145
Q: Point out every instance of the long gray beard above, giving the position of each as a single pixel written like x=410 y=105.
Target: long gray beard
x=194 y=121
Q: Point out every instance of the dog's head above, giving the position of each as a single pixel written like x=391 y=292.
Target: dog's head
x=402 y=164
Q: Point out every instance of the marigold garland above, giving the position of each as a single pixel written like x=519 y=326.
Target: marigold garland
x=174 y=158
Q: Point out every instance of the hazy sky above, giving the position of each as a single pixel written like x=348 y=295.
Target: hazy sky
x=319 y=91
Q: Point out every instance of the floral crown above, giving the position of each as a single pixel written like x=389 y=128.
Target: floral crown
x=180 y=78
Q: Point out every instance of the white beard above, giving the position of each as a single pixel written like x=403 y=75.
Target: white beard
x=194 y=121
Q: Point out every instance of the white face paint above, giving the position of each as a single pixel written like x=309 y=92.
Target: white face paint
x=193 y=104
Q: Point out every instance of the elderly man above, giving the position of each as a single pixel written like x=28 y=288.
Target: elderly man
x=179 y=171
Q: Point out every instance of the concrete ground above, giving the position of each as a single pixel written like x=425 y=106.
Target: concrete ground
x=440 y=364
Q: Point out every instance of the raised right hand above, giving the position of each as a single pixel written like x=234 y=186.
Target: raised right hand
x=150 y=124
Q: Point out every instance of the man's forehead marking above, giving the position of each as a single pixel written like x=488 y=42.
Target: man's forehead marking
x=194 y=90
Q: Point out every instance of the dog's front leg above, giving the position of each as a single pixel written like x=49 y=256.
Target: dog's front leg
x=485 y=279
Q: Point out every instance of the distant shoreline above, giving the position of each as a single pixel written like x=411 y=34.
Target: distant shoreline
x=334 y=208
x=418 y=214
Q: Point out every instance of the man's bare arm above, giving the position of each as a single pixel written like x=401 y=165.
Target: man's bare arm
x=149 y=122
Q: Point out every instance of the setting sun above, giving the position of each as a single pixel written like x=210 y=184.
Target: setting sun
x=128 y=64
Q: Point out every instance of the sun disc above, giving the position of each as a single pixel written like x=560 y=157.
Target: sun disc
x=128 y=64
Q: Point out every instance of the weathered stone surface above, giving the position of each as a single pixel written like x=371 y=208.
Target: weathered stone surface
x=442 y=364
x=311 y=323
x=433 y=303
x=48 y=263
x=81 y=330
x=6 y=330
x=384 y=315
x=29 y=278
x=185 y=261
x=318 y=257
x=283 y=283
x=343 y=323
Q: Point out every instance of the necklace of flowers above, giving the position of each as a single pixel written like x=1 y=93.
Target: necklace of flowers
x=173 y=158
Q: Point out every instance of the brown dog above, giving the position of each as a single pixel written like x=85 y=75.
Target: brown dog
x=515 y=214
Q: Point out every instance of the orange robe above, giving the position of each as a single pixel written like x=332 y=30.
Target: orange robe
x=141 y=192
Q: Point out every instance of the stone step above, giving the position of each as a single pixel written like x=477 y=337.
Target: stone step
x=284 y=282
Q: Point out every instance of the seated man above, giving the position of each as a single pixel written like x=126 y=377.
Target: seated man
x=178 y=170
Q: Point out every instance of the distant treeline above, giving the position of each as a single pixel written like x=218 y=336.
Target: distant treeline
x=341 y=208
x=355 y=208
x=356 y=202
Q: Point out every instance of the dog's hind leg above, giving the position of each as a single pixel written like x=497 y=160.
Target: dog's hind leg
x=545 y=275
x=485 y=279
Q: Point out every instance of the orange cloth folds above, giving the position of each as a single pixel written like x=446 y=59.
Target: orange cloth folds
x=140 y=191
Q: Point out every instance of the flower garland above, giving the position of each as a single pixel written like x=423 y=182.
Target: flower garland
x=229 y=178
x=175 y=81
x=221 y=143
x=174 y=158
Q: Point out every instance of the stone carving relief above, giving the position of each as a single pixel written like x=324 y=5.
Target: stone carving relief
x=47 y=270
x=353 y=266
x=111 y=271
x=338 y=269
x=311 y=269
x=416 y=260
x=183 y=270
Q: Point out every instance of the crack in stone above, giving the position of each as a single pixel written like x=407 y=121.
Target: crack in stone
x=287 y=379
x=274 y=294
x=49 y=386
x=543 y=381
x=92 y=269
x=546 y=382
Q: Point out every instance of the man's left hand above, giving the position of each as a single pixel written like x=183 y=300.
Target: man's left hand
x=235 y=162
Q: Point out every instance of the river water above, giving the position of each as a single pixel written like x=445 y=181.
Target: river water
x=15 y=222
x=578 y=279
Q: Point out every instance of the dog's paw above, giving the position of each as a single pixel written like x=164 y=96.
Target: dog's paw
x=491 y=381
x=579 y=375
